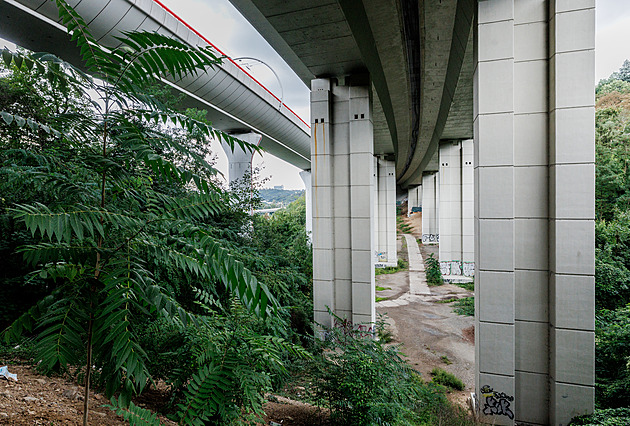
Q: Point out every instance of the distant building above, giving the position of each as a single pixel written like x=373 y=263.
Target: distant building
x=278 y=187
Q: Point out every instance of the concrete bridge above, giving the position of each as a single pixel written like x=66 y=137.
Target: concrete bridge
x=489 y=106
x=483 y=110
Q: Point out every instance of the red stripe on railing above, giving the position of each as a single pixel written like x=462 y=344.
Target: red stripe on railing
x=229 y=59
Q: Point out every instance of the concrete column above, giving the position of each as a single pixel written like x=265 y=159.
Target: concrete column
x=456 y=206
x=468 y=211
x=378 y=255
x=450 y=220
x=239 y=160
x=342 y=178
x=572 y=208
x=430 y=200
x=308 y=198
x=412 y=199
x=386 y=216
x=534 y=210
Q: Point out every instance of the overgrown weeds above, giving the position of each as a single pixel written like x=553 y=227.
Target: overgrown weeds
x=447 y=379
x=465 y=306
x=401 y=266
x=432 y=270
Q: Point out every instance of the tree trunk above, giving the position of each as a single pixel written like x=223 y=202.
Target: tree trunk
x=88 y=370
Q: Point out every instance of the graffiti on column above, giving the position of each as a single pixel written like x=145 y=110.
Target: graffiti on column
x=445 y=268
x=348 y=328
x=469 y=269
x=430 y=238
x=456 y=268
x=496 y=403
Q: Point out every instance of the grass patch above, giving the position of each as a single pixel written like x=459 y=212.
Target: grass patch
x=404 y=228
x=446 y=300
x=445 y=360
x=379 y=288
x=467 y=286
x=465 y=306
x=380 y=299
x=402 y=265
x=447 y=379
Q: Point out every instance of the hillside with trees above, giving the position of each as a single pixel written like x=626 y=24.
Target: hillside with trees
x=612 y=245
x=272 y=197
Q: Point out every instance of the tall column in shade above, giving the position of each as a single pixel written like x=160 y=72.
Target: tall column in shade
x=430 y=229
x=342 y=178
x=494 y=211
x=386 y=188
x=412 y=199
x=450 y=207
x=534 y=210
x=239 y=160
x=378 y=254
x=308 y=198
x=468 y=204
x=571 y=209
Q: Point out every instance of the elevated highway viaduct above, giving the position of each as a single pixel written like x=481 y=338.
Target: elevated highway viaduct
x=484 y=107
x=489 y=106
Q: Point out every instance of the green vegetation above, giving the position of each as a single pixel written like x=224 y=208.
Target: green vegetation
x=120 y=248
x=365 y=382
x=445 y=360
x=465 y=306
x=467 y=286
x=605 y=417
x=447 y=379
x=432 y=270
x=612 y=246
x=402 y=265
x=403 y=227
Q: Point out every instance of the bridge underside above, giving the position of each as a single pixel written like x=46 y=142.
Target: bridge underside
x=399 y=90
x=488 y=106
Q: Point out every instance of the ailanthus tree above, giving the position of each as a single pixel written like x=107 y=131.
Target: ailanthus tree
x=110 y=223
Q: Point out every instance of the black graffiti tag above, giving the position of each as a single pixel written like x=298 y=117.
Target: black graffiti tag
x=497 y=403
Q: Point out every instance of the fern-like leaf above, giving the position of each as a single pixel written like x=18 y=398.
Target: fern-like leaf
x=136 y=416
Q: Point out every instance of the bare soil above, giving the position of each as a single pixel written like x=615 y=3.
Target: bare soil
x=430 y=333
x=40 y=400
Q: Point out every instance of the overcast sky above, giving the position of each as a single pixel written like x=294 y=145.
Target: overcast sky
x=219 y=21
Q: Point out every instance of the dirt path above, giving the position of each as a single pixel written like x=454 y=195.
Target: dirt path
x=430 y=332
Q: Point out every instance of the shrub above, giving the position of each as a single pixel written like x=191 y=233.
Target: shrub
x=608 y=417
x=363 y=381
x=432 y=270
x=447 y=379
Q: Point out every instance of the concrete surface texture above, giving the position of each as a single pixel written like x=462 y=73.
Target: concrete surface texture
x=343 y=182
x=385 y=213
x=534 y=192
x=430 y=208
